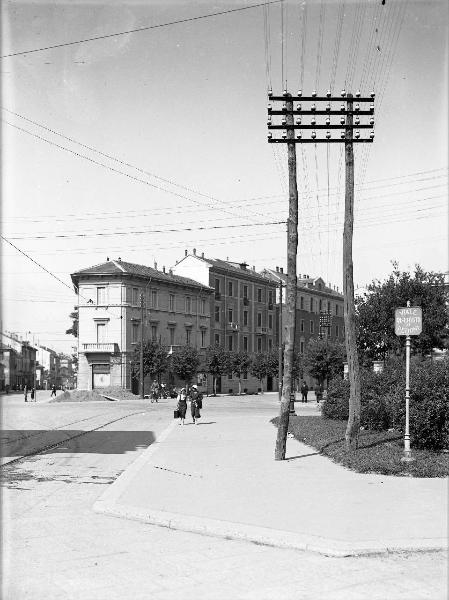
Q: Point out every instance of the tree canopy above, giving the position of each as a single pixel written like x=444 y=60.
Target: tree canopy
x=73 y=330
x=155 y=359
x=186 y=361
x=375 y=313
x=324 y=358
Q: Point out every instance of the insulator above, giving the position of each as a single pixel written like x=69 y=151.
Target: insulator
x=269 y=107
x=313 y=135
x=328 y=93
x=298 y=107
x=285 y=93
x=371 y=107
x=284 y=121
x=299 y=93
x=314 y=94
x=270 y=135
x=298 y=121
x=284 y=106
x=328 y=107
x=343 y=93
x=357 y=94
x=342 y=134
x=372 y=135
x=313 y=121
x=357 y=121
x=298 y=135
x=373 y=95
x=343 y=107
x=270 y=93
x=328 y=121
x=342 y=120
x=328 y=134
x=357 y=106
x=284 y=135
x=357 y=134
x=371 y=121
x=313 y=107
x=269 y=121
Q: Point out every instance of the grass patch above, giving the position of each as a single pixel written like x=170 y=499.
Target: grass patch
x=378 y=451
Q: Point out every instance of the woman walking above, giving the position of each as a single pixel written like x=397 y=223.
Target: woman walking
x=182 y=405
x=195 y=404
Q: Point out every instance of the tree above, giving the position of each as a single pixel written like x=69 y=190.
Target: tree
x=239 y=362
x=217 y=363
x=259 y=368
x=73 y=330
x=186 y=362
x=324 y=359
x=155 y=360
x=375 y=313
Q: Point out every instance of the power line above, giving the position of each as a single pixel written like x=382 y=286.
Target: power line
x=139 y=29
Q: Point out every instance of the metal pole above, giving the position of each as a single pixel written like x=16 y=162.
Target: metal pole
x=142 y=395
x=407 y=452
x=281 y=349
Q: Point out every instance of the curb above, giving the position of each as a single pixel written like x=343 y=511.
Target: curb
x=265 y=536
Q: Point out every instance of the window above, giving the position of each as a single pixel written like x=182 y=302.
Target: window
x=302 y=303
x=135 y=297
x=171 y=302
x=302 y=325
x=336 y=309
x=328 y=307
x=203 y=338
x=270 y=321
x=311 y=304
x=229 y=288
x=336 y=330
x=245 y=343
x=259 y=294
x=229 y=376
x=172 y=336
x=217 y=286
x=188 y=336
x=301 y=347
x=245 y=318
x=230 y=315
x=154 y=298
x=101 y=295
x=134 y=333
x=230 y=342
x=202 y=306
x=101 y=333
x=188 y=304
x=217 y=339
x=259 y=319
x=259 y=344
x=270 y=344
x=245 y=291
x=245 y=375
x=270 y=297
x=311 y=326
x=154 y=332
x=321 y=305
x=217 y=314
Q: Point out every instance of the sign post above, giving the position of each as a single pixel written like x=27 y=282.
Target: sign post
x=408 y=322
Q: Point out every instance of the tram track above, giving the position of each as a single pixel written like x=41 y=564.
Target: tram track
x=48 y=447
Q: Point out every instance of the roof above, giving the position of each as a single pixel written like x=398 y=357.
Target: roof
x=121 y=267
x=233 y=267
x=302 y=282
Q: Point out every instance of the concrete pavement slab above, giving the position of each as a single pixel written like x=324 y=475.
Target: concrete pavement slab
x=219 y=478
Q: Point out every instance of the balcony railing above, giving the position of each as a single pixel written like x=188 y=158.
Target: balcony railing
x=104 y=347
x=261 y=330
x=233 y=326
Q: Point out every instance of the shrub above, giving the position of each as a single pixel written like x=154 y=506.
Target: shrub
x=383 y=401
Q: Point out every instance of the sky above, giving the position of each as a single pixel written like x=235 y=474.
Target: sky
x=145 y=144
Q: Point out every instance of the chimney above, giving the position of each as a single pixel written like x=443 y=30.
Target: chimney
x=194 y=251
x=185 y=252
x=254 y=268
x=170 y=271
x=107 y=259
x=202 y=254
x=277 y=269
x=163 y=269
x=119 y=258
x=281 y=269
x=155 y=265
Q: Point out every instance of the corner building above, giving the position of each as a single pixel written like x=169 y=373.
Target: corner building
x=242 y=309
x=176 y=313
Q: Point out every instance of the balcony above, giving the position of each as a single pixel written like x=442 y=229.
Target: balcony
x=246 y=301
x=103 y=347
x=233 y=326
x=270 y=306
x=261 y=330
x=217 y=296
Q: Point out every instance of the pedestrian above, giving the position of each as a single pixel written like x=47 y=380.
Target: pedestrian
x=53 y=391
x=182 y=405
x=32 y=393
x=195 y=404
x=304 y=391
x=25 y=392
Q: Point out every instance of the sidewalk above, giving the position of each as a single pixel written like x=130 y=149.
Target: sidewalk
x=220 y=478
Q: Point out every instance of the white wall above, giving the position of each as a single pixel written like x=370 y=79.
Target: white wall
x=194 y=268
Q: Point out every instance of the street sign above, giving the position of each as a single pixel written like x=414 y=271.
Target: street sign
x=408 y=320
x=325 y=319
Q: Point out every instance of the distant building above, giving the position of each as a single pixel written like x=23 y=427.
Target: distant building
x=176 y=313
x=18 y=358
x=242 y=310
x=49 y=360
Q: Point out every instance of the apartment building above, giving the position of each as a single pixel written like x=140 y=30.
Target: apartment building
x=18 y=358
x=242 y=309
x=176 y=313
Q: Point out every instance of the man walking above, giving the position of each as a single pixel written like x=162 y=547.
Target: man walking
x=53 y=391
x=304 y=391
x=25 y=392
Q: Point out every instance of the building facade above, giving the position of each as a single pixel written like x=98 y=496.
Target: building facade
x=18 y=358
x=176 y=313
x=242 y=309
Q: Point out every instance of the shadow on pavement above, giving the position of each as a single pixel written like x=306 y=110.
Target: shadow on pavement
x=20 y=442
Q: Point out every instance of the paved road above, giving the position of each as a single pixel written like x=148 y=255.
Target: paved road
x=55 y=546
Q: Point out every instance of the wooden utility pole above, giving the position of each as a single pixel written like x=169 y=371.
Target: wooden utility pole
x=341 y=120
x=142 y=378
x=281 y=344
x=353 y=426
x=292 y=247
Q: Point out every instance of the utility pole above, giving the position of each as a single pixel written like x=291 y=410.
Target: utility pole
x=142 y=378
x=281 y=349
x=345 y=126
